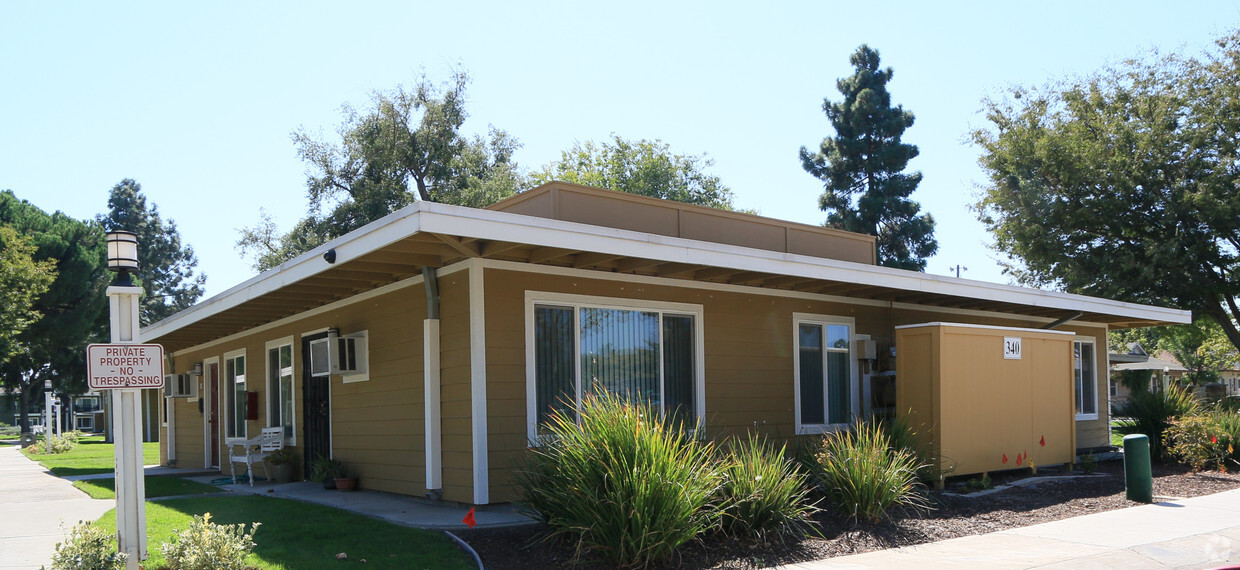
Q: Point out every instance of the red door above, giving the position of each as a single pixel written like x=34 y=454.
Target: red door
x=213 y=423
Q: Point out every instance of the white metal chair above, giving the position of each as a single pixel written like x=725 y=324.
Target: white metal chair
x=255 y=450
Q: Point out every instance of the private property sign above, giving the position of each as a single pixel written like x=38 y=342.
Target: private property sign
x=125 y=366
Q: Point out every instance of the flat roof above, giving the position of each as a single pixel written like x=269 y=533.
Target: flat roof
x=427 y=234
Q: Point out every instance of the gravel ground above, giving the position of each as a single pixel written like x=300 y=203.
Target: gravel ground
x=954 y=516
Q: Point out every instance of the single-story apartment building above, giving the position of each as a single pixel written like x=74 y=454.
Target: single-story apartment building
x=426 y=349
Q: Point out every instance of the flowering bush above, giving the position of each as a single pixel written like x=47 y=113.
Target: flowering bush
x=87 y=548
x=1205 y=441
x=208 y=546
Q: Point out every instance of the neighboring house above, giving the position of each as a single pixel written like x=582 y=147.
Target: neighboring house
x=1162 y=371
x=427 y=349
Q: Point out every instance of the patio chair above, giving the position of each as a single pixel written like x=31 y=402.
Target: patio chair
x=255 y=450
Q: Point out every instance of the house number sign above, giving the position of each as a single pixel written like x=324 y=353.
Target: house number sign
x=1011 y=348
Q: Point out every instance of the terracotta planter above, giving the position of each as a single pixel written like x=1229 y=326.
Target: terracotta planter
x=346 y=484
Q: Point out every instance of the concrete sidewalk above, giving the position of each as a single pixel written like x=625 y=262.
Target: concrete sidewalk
x=33 y=505
x=403 y=510
x=1202 y=532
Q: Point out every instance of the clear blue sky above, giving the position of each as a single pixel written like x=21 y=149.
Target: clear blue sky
x=196 y=102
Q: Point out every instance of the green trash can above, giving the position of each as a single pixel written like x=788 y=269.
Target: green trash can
x=1138 y=477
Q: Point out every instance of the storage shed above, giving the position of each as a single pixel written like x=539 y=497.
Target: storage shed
x=988 y=398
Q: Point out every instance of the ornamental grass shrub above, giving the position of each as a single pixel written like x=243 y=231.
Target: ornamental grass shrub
x=209 y=546
x=1152 y=413
x=764 y=495
x=87 y=547
x=864 y=476
x=621 y=482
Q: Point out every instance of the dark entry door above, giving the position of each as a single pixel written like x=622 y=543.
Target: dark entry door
x=316 y=409
x=213 y=422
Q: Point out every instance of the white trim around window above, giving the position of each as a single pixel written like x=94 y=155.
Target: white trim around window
x=823 y=322
x=1083 y=407
x=282 y=387
x=535 y=299
x=234 y=419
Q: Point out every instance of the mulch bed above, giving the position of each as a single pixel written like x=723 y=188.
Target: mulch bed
x=954 y=516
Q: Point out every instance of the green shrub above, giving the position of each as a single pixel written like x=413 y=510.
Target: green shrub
x=978 y=484
x=1206 y=441
x=622 y=483
x=1151 y=413
x=1195 y=440
x=764 y=495
x=87 y=548
x=208 y=546
x=864 y=477
x=59 y=443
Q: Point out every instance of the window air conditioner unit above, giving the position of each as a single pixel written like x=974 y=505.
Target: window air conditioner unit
x=339 y=355
x=180 y=386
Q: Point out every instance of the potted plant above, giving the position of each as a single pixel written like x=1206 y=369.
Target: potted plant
x=346 y=483
x=283 y=462
x=325 y=470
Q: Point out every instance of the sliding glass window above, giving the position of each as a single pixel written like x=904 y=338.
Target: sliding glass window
x=640 y=355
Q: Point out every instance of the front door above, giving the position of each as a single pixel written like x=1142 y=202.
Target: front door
x=316 y=409
x=213 y=411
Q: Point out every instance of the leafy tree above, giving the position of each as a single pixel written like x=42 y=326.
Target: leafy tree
x=407 y=146
x=1202 y=348
x=1122 y=184
x=644 y=167
x=73 y=309
x=166 y=267
x=22 y=281
x=862 y=167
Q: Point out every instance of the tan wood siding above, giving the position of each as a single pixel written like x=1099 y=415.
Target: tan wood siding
x=456 y=407
x=377 y=425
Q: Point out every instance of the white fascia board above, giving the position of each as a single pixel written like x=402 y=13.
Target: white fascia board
x=985 y=327
x=503 y=226
x=394 y=227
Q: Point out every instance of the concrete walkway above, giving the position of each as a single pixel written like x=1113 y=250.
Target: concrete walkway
x=33 y=505
x=1202 y=532
x=399 y=509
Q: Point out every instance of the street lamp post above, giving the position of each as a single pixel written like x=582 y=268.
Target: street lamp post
x=47 y=416
x=126 y=413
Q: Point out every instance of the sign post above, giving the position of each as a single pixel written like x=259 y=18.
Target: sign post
x=126 y=368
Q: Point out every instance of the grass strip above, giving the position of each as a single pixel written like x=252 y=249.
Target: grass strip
x=90 y=456
x=296 y=535
x=155 y=487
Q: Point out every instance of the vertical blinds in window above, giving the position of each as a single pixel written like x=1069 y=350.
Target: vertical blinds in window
x=639 y=355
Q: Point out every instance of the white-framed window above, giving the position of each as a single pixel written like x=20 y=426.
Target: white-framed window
x=641 y=350
x=825 y=372
x=234 y=395
x=1085 y=378
x=281 y=396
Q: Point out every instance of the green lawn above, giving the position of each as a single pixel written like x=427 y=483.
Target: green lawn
x=297 y=535
x=90 y=456
x=155 y=487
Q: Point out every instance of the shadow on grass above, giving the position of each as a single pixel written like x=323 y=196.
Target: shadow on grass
x=302 y=535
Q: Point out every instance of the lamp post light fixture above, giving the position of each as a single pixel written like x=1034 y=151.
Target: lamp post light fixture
x=47 y=416
x=122 y=254
x=126 y=414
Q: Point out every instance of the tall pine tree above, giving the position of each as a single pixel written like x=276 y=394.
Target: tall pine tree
x=165 y=266
x=865 y=162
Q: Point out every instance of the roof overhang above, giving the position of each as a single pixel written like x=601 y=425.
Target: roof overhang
x=427 y=234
